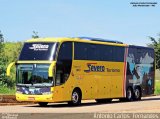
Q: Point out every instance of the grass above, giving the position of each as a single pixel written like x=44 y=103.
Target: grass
x=157 y=87
x=157 y=74
x=157 y=82
x=5 y=90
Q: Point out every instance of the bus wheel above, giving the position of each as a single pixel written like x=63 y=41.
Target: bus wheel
x=43 y=104
x=137 y=94
x=76 y=98
x=129 y=94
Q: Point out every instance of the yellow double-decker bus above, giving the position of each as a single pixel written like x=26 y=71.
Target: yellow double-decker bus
x=83 y=68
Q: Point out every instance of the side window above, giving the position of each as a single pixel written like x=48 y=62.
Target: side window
x=64 y=63
x=118 y=53
x=80 y=51
x=93 y=52
x=106 y=52
x=65 y=52
x=86 y=51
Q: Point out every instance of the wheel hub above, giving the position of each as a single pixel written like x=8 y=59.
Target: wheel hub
x=137 y=93
x=75 y=97
x=129 y=93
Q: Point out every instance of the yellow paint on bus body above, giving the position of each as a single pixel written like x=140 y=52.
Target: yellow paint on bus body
x=51 y=69
x=94 y=85
x=103 y=80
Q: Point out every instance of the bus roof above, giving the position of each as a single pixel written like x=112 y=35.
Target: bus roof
x=101 y=40
x=85 y=40
x=79 y=39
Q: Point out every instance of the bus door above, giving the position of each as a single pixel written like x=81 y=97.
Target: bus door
x=63 y=69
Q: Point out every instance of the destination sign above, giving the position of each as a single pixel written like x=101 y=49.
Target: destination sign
x=39 y=47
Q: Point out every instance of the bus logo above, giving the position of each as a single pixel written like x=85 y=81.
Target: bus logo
x=92 y=67
x=39 y=47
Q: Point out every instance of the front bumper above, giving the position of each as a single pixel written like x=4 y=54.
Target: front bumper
x=34 y=98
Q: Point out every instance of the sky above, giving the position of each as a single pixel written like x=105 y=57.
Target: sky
x=108 y=19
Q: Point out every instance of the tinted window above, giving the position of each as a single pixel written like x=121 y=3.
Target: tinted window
x=64 y=63
x=118 y=53
x=65 y=52
x=38 y=51
x=106 y=52
x=80 y=51
x=86 y=51
x=93 y=53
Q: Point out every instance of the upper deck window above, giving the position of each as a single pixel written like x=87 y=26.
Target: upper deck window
x=38 y=51
x=98 y=52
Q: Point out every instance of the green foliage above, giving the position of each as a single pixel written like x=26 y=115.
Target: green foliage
x=1 y=37
x=157 y=82
x=35 y=35
x=157 y=74
x=157 y=87
x=6 y=90
x=2 y=59
x=8 y=53
x=156 y=45
x=11 y=53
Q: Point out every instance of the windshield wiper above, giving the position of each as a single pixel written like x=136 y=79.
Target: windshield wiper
x=40 y=84
x=25 y=85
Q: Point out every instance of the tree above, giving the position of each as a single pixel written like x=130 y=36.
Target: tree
x=2 y=58
x=156 y=45
x=12 y=51
x=1 y=48
x=8 y=53
x=1 y=37
x=1 y=43
x=35 y=34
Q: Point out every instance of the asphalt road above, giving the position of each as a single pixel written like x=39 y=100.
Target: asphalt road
x=147 y=104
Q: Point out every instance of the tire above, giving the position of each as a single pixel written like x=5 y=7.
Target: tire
x=43 y=104
x=129 y=94
x=75 y=98
x=103 y=100
x=137 y=94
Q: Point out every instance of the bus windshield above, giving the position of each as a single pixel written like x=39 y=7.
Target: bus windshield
x=39 y=51
x=33 y=75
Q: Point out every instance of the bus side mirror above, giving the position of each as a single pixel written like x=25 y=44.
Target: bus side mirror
x=50 y=70
x=9 y=68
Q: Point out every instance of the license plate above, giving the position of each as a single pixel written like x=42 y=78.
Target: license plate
x=31 y=98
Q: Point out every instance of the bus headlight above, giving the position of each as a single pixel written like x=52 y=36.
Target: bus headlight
x=46 y=93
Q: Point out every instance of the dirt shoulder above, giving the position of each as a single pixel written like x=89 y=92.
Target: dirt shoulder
x=10 y=100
